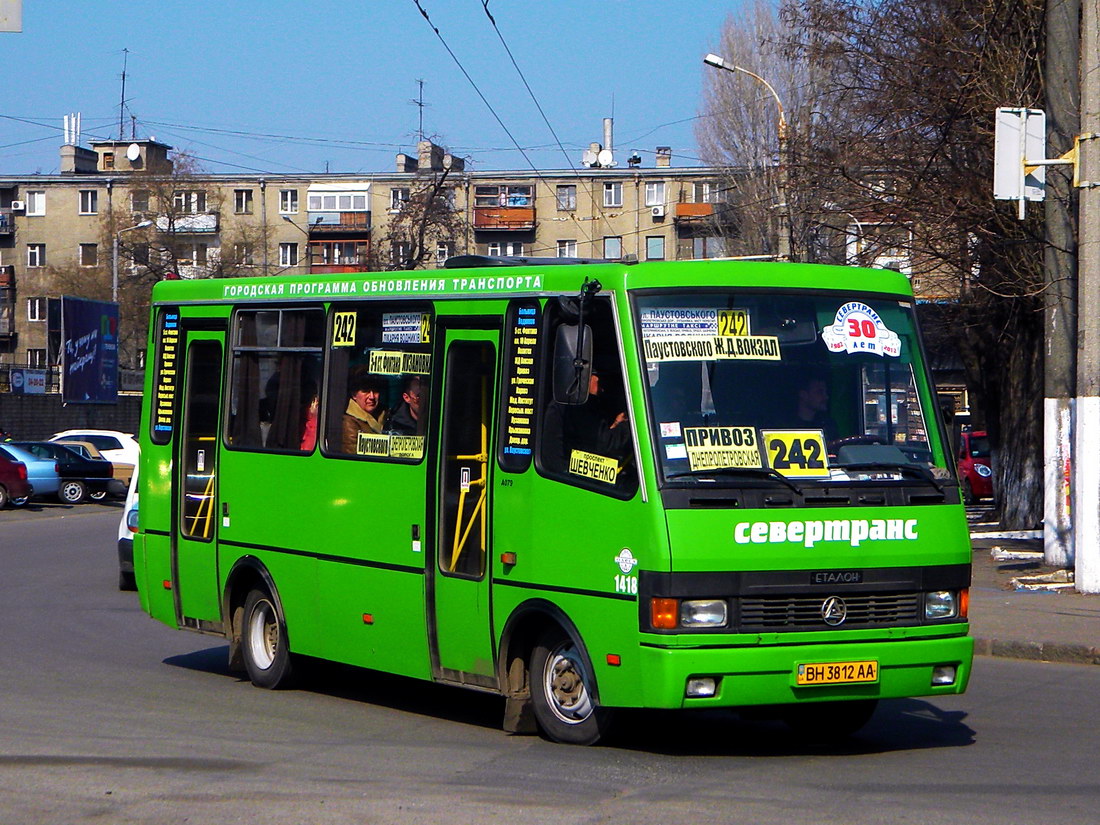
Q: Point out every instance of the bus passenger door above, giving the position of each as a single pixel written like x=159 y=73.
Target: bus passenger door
x=463 y=649
x=195 y=482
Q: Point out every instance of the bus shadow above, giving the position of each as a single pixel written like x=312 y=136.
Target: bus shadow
x=371 y=687
x=898 y=724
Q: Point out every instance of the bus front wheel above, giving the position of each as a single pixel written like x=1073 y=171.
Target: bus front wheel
x=264 y=642
x=561 y=692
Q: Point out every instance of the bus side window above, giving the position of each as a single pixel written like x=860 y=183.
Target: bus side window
x=379 y=373
x=589 y=444
x=276 y=373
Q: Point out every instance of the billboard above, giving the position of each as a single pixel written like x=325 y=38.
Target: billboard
x=89 y=351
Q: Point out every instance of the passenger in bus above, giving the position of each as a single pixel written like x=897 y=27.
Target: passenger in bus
x=405 y=417
x=309 y=426
x=590 y=427
x=365 y=413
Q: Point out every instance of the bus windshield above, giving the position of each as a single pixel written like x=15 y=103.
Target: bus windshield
x=806 y=387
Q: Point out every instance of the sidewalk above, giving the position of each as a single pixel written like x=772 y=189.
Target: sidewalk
x=1062 y=626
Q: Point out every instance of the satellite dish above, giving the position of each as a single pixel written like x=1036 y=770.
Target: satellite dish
x=588 y=158
x=605 y=158
x=133 y=152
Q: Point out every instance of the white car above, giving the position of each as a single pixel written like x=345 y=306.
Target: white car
x=127 y=526
x=113 y=445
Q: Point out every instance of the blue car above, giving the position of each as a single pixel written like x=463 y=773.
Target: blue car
x=42 y=473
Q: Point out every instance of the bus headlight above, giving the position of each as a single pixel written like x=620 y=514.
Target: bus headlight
x=703 y=613
x=941 y=604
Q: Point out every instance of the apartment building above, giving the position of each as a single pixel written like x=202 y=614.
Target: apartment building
x=123 y=214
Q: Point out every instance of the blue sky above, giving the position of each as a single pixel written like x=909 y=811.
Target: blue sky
x=238 y=83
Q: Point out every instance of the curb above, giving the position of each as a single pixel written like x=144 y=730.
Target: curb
x=1075 y=654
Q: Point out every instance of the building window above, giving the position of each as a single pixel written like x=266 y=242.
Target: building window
x=243 y=253
x=242 y=201
x=36 y=254
x=502 y=196
x=443 y=251
x=509 y=249
x=36 y=358
x=36 y=309
x=655 y=193
x=190 y=202
x=108 y=160
x=191 y=254
x=712 y=247
x=288 y=201
x=139 y=254
x=336 y=201
x=89 y=254
x=567 y=249
x=89 y=201
x=288 y=254
x=655 y=247
x=36 y=203
x=567 y=198
x=398 y=198
x=339 y=253
x=613 y=194
x=139 y=200
x=400 y=252
x=613 y=247
x=706 y=192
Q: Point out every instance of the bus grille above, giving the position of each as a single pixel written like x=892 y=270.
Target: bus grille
x=863 y=610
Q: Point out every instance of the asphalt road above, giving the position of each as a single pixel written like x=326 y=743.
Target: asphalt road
x=109 y=717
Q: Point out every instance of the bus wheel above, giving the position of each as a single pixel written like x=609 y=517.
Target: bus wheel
x=968 y=492
x=264 y=642
x=829 y=721
x=561 y=692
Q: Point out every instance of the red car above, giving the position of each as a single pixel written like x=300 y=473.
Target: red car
x=975 y=470
x=13 y=481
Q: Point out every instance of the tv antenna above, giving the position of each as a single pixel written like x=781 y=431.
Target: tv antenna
x=122 y=100
x=420 y=104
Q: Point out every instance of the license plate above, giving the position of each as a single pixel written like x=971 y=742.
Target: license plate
x=836 y=673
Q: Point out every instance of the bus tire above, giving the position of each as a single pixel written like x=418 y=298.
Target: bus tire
x=826 y=722
x=264 y=645
x=561 y=692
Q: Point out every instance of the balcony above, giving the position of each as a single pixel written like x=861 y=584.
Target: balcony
x=508 y=218
x=321 y=223
x=7 y=222
x=694 y=211
x=336 y=269
x=202 y=223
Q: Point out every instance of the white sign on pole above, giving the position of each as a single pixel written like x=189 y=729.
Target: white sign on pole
x=11 y=15
x=1020 y=136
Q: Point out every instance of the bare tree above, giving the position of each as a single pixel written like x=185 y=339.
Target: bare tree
x=429 y=217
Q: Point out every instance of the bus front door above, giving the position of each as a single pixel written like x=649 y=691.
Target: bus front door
x=463 y=649
x=195 y=482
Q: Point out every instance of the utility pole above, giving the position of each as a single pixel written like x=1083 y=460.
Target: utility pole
x=1086 y=488
x=1060 y=296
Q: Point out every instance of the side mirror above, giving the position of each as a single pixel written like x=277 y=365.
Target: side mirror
x=572 y=368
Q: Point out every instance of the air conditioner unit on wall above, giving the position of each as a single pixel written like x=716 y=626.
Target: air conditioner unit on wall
x=18 y=206
x=657 y=211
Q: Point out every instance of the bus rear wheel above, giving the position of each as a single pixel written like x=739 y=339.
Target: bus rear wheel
x=826 y=722
x=561 y=692
x=264 y=642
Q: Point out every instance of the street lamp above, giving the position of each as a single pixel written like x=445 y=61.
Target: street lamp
x=114 y=256
x=783 y=210
x=309 y=246
x=860 y=234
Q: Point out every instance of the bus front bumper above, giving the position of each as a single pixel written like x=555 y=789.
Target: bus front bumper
x=744 y=676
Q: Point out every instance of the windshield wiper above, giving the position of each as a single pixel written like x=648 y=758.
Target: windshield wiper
x=916 y=470
x=758 y=472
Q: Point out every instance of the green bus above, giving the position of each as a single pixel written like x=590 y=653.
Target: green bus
x=580 y=485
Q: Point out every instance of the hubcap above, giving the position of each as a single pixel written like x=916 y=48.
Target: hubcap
x=565 y=687
x=263 y=635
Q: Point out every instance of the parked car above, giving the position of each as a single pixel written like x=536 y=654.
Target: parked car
x=80 y=474
x=114 y=445
x=13 y=481
x=120 y=469
x=127 y=526
x=42 y=473
x=975 y=469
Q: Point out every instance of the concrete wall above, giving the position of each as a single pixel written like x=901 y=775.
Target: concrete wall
x=37 y=417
